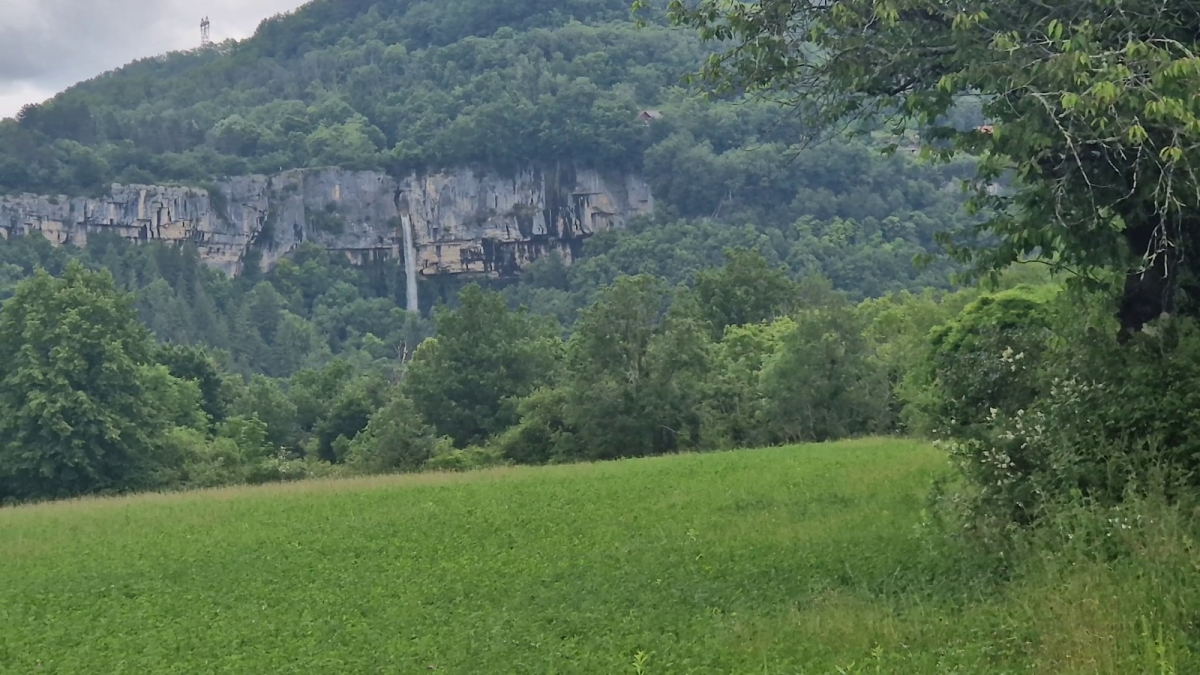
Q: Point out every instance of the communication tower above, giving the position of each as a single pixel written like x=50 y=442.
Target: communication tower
x=205 y=36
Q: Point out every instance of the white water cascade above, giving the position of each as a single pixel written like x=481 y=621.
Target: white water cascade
x=410 y=264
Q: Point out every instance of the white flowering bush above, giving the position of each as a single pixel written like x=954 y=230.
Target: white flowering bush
x=984 y=376
x=1039 y=406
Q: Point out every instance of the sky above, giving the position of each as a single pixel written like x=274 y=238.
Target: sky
x=48 y=45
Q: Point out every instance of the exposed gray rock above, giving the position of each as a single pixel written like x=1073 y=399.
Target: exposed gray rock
x=462 y=221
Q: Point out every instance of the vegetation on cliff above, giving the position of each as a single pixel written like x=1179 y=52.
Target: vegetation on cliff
x=400 y=86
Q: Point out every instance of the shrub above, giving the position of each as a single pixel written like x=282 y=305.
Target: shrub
x=1041 y=406
x=543 y=435
x=449 y=458
x=396 y=439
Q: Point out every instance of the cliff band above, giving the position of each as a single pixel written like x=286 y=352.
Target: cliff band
x=457 y=222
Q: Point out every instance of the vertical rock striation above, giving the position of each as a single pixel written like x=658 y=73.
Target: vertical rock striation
x=457 y=222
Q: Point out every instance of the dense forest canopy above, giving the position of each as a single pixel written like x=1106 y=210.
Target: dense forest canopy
x=403 y=86
x=397 y=85
x=738 y=314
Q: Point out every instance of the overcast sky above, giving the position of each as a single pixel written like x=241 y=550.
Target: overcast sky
x=48 y=45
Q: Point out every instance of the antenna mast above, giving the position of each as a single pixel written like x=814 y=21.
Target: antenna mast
x=205 y=37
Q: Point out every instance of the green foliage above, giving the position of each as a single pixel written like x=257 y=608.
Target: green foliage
x=311 y=308
x=634 y=368
x=985 y=360
x=368 y=87
x=72 y=388
x=174 y=401
x=194 y=365
x=1090 y=116
x=733 y=404
x=820 y=384
x=346 y=415
x=897 y=328
x=450 y=458
x=543 y=435
x=396 y=439
x=327 y=220
x=265 y=400
x=669 y=354
x=983 y=369
x=1105 y=421
x=744 y=290
x=468 y=379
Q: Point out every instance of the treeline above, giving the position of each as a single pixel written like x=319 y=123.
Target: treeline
x=1026 y=385
x=91 y=402
x=312 y=307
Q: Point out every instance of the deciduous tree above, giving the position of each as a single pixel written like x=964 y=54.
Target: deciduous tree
x=1091 y=107
x=73 y=417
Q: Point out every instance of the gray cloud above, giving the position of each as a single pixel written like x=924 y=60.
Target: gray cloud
x=48 y=45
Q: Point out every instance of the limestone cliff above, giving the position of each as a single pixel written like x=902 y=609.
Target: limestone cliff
x=457 y=222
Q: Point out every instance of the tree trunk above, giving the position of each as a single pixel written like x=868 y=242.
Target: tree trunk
x=1168 y=283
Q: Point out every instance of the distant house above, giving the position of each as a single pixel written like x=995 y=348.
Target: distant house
x=985 y=129
x=648 y=116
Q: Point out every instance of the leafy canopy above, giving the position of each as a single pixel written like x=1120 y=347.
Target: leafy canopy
x=73 y=417
x=1092 y=107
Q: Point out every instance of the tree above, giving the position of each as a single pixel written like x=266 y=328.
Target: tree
x=1090 y=104
x=635 y=368
x=820 y=384
x=73 y=413
x=194 y=364
x=396 y=439
x=733 y=403
x=745 y=290
x=261 y=397
x=468 y=379
x=347 y=415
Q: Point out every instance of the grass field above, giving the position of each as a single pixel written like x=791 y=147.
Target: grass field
x=794 y=560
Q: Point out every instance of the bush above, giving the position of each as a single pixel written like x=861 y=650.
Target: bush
x=1110 y=415
x=983 y=373
x=396 y=439
x=543 y=435
x=449 y=458
x=1042 y=407
x=984 y=361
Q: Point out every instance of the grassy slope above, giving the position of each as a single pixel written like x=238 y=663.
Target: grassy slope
x=772 y=561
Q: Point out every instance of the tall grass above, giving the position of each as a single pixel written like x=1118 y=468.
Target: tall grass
x=811 y=559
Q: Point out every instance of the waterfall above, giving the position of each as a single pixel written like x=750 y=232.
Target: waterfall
x=410 y=264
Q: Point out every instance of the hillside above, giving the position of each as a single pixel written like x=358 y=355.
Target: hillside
x=635 y=289
x=708 y=279
x=403 y=88
x=364 y=85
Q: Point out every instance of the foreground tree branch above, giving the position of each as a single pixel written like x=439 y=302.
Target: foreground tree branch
x=1093 y=106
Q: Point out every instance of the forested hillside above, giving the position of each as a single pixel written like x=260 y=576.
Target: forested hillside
x=403 y=86
x=738 y=314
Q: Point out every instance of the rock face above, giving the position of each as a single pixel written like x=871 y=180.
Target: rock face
x=459 y=222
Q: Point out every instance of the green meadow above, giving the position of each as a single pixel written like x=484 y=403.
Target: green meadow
x=809 y=559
